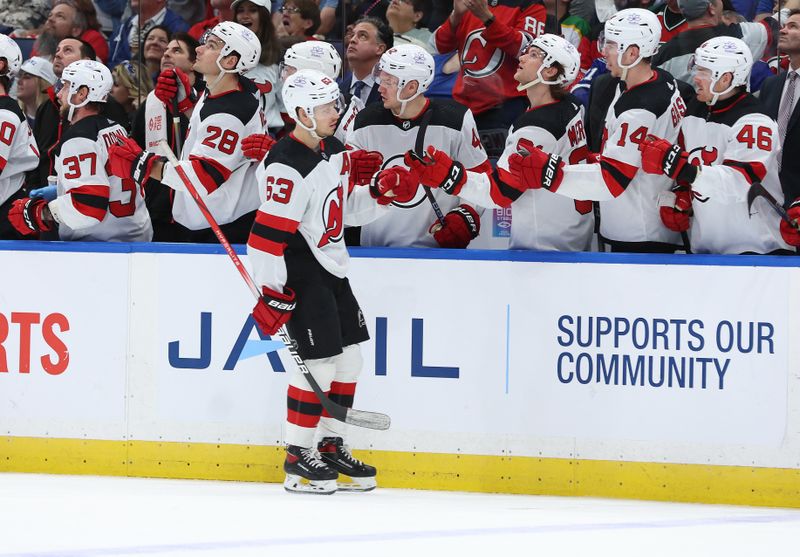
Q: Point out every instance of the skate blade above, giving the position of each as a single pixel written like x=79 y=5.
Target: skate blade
x=356 y=484
x=298 y=484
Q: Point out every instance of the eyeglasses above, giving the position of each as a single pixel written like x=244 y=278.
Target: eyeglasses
x=290 y=10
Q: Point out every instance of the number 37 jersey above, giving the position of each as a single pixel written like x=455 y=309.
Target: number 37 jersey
x=93 y=205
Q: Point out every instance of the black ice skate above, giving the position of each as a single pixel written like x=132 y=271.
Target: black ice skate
x=333 y=453
x=306 y=473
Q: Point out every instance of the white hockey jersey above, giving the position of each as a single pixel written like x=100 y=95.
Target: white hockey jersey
x=18 y=151
x=451 y=129
x=306 y=203
x=93 y=205
x=736 y=144
x=268 y=82
x=212 y=158
x=628 y=198
x=541 y=220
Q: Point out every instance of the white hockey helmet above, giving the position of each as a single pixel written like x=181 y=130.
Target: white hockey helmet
x=9 y=50
x=722 y=55
x=241 y=40
x=556 y=49
x=91 y=74
x=408 y=62
x=314 y=55
x=633 y=27
x=308 y=89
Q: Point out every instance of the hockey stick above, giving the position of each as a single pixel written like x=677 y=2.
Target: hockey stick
x=758 y=190
x=419 y=151
x=176 y=120
x=360 y=418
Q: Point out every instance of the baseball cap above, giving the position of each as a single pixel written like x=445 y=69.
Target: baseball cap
x=692 y=9
x=263 y=3
x=40 y=67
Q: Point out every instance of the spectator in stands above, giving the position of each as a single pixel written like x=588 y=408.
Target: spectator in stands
x=672 y=20
x=71 y=18
x=704 y=21
x=222 y=12
x=49 y=125
x=153 y=122
x=155 y=43
x=404 y=17
x=489 y=40
x=132 y=83
x=255 y=15
x=190 y=11
x=109 y=14
x=23 y=16
x=371 y=38
x=299 y=18
x=779 y=96
x=33 y=81
x=154 y=12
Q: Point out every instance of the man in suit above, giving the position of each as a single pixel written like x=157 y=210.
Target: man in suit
x=779 y=96
x=370 y=39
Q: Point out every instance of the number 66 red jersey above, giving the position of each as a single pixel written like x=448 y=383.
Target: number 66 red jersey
x=93 y=205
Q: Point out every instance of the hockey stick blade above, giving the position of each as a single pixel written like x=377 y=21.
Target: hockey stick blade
x=360 y=418
x=758 y=190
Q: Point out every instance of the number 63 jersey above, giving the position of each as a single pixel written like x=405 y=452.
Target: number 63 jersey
x=93 y=205
x=307 y=202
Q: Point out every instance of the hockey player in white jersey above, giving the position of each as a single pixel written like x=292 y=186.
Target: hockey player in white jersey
x=542 y=220
x=408 y=121
x=643 y=101
x=18 y=152
x=310 y=189
x=86 y=204
x=308 y=55
x=227 y=111
x=727 y=144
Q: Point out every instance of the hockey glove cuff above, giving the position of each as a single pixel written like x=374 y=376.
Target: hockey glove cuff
x=26 y=215
x=436 y=169
x=273 y=309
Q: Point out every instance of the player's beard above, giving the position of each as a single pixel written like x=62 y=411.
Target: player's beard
x=46 y=44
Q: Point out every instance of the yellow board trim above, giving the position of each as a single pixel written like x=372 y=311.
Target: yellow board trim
x=737 y=485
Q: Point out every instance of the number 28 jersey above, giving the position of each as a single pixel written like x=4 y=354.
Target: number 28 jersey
x=92 y=204
x=213 y=159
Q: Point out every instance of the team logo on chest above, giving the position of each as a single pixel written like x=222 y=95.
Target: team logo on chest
x=707 y=156
x=332 y=219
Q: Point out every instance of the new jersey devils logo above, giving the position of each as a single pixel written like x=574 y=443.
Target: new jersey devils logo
x=477 y=60
x=332 y=217
x=707 y=156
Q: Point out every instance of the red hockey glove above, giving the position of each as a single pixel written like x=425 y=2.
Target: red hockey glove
x=675 y=208
x=659 y=156
x=127 y=160
x=436 y=169
x=363 y=166
x=537 y=169
x=394 y=184
x=257 y=146
x=173 y=84
x=25 y=215
x=273 y=309
x=791 y=235
x=461 y=226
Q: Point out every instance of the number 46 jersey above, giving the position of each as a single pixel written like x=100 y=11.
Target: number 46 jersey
x=93 y=205
x=736 y=144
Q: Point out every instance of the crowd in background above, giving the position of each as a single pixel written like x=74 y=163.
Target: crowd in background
x=138 y=39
